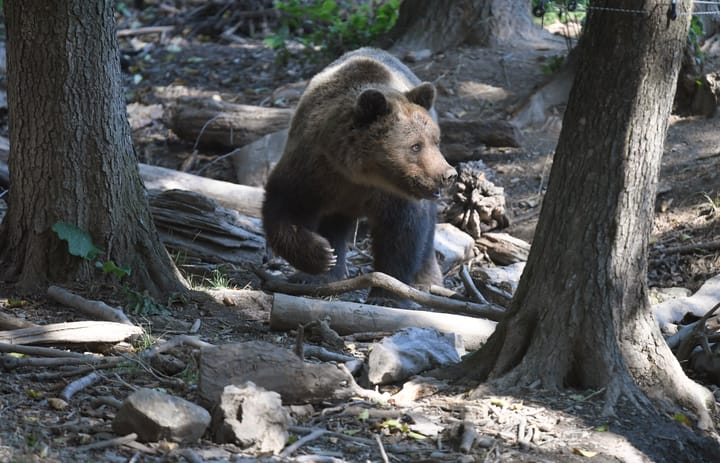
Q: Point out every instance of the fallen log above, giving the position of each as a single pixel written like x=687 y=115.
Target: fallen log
x=199 y=227
x=347 y=317
x=72 y=332
x=218 y=124
x=246 y=200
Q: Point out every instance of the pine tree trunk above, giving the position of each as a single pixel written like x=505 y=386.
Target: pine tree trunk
x=442 y=24
x=72 y=158
x=581 y=315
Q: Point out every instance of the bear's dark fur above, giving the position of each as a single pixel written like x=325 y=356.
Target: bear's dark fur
x=363 y=142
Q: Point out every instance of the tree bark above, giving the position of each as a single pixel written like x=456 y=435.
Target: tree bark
x=442 y=24
x=72 y=157
x=581 y=315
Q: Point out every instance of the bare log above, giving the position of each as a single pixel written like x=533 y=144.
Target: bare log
x=96 y=309
x=196 y=224
x=223 y=125
x=504 y=249
x=260 y=362
x=72 y=332
x=246 y=200
x=347 y=317
x=388 y=283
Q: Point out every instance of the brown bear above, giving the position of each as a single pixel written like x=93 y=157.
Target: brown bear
x=363 y=142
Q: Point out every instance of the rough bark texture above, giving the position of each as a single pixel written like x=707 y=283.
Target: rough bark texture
x=72 y=158
x=581 y=316
x=441 y=24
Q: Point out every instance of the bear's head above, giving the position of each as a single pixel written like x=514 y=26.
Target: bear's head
x=400 y=142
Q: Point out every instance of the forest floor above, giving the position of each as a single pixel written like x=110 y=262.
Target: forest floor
x=516 y=426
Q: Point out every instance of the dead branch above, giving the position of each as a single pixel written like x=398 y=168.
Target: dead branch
x=348 y=317
x=386 y=282
x=290 y=449
x=78 y=385
x=96 y=309
x=383 y=454
x=696 y=334
x=325 y=355
x=9 y=362
x=8 y=322
x=689 y=248
x=72 y=332
x=162 y=30
x=177 y=341
x=470 y=287
x=41 y=351
x=115 y=442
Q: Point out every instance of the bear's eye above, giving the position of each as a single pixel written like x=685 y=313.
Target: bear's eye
x=416 y=147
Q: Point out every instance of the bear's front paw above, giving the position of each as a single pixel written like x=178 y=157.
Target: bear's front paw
x=315 y=256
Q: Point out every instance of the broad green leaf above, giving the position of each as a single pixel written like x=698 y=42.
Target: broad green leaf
x=111 y=267
x=79 y=242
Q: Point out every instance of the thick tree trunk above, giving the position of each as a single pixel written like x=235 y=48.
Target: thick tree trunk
x=581 y=315
x=442 y=24
x=72 y=157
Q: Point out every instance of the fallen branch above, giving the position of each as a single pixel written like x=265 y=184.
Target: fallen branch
x=386 y=282
x=688 y=248
x=95 y=309
x=290 y=449
x=9 y=363
x=162 y=30
x=177 y=341
x=78 y=385
x=41 y=351
x=117 y=441
x=470 y=287
x=72 y=332
x=347 y=317
x=8 y=322
x=696 y=334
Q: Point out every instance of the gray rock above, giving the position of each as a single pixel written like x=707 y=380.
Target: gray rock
x=158 y=416
x=411 y=351
x=250 y=416
x=254 y=162
x=504 y=277
x=453 y=245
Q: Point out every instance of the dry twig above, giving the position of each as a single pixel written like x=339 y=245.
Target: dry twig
x=78 y=385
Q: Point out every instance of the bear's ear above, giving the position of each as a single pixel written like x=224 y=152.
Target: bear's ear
x=423 y=95
x=370 y=105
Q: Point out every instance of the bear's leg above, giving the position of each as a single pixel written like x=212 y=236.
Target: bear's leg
x=335 y=228
x=403 y=233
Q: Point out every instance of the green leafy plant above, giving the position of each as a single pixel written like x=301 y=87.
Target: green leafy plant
x=695 y=33
x=331 y=27
x=80 y=244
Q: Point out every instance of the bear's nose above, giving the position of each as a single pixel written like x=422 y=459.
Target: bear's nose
x=449 y=175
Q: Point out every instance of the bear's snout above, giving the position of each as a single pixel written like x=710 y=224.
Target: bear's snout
x=449 y=175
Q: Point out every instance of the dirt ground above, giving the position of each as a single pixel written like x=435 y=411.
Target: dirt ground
x=515 y=426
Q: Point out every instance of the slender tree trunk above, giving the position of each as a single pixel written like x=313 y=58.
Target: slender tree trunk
x=72 y=157
x=442 y=24
x=581 y=315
